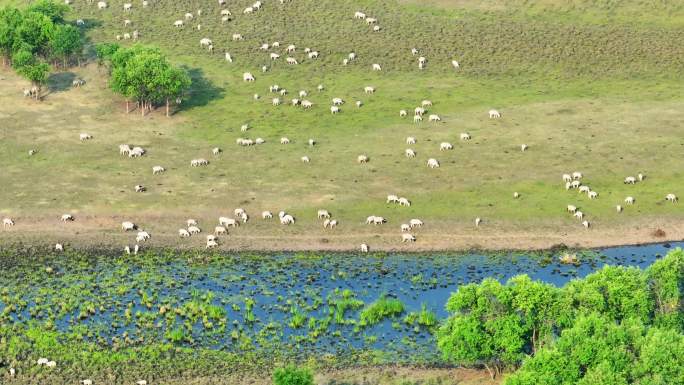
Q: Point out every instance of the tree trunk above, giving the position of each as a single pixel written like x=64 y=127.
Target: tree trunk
x=491 y=374
x=167 y=107
x=127 y=110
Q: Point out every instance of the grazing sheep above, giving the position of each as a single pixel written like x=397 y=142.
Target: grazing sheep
x=672 y=198
x=191 y=222
x=432 y=163
x=256 y=97
x=426 y=103
x=286 y=219
x=410 y=153
x=80 y=22
x=101 y=5
x=359 y=103
x=323 y=214
x=320 y=87
x=51 y=364
x=266 y=215
x=416 y=223
x=67 y=218
x=523 y=147
x=478 y=220
x=128 y=226
x=275 y=101
x=359 y=15
x=516 y=195
x=157 y=170
x=404 y=202
x=371 y=20
x=215 y=150
x=434 y=118
x=77 y=83
x=345 y=62
x=403 y=113
x=405 y=227
x=585 y=224
x=407 y=238
x=211 y=244
x=410 y=140
x=183 y=233
x=136 y=152
x=592 y=194
x=124 y=149
x=7 y=222
x=584 y=189
x=127 y=7
x=331 y=224
x=629 y=200
x=419 y=111
x=392 y=199
x=414 y=51
x=364 y=248
x=59 y=247
x=205 y=42
x=291 y=48
x=142 y=236
x=42 y=361
x=362 y=159
x=494 y=114
x=618 y=208
x=417 y=118
x=578 y=214
x=352 y=56
x=568 y=185
x=225 y=19
x=212 y=237
x=445 y=146
x=237 y=36
x=313 y=55
x=376 y=67
x=465 y=136
x=641 y=177
x=334 y=110
x=379 y=220
x=337 y=101
x=305 y=159
x=295 y=102
x=303 y=94
x=572 y=209
x=368 y=89
x=194 y=230
x=306 y=104
x=229 y=58
x=455 y=64
x=291 y=61
x=577 y=175
x=244 y=217
x=575 y=184
x=220 y=230
x=376 y=28
x=248 y=77
x=275 y=44
x=312 y=142
x=198 y=162
x=32 y=152
x=567 y=178
x=141 y=382
x=284 y=140
x=84 y=136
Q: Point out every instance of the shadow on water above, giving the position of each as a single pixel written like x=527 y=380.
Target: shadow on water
x=60 y=81
x=202 y=91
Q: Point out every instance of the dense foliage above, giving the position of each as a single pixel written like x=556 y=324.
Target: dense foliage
x=605 y=328
x=291 y=375
x=143 y=74
x=30 y=38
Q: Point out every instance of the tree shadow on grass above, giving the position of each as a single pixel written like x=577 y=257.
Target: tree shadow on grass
x=60 y=81
x=201 y=92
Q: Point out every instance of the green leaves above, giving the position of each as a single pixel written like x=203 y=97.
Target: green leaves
x=291 y=375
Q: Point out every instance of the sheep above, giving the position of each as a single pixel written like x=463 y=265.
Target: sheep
x=568 y=185
x=51 y=364
x=404 y=202
x=211 y=244
x=126 y=36
x=364 y=248
x=410 y=140
x=331 y=224
x=248 y=10
x=359 y=103
x=334 y=110
x=101 y=5
x=239 y=211
x=216 y=151
x=671 y=197
x=567 y=178
x=359 y=15
x=142 y=236
x=406 y=237
x=405 y=227
x=225 y=19
x=305 y=159
x=362 y=159
x=7 y=222
x=128 y=226
x=376 y=67
x=220 y=230
x=630 y=180
x=369 y=89
x=212 y=237
x=345 y=62
x=157 y=170
x=127 y=249
x=376 y=28
x=80 y=22
x=266 y=215
x=415 y=223
x=124 y=149
x=229 y=58
x=225 y=12
x=414 y=51
x=77 y=83
x=379 y=220
x=306 y=104
x=494 y=114
x=141 y=382
x=295 y=102
x=284 y=140
x=183 y=233
x=275 y=101
x=337 y=101
x=434 y=118
x=32 y=152
x=264 y=69
x=571 y=209
x=446 y=146
x=578 y=214
x=282 y=92
x=274 y=88
x=392 y=198
x=194 y=230
x=584 y=189
x=523 y=147
x=592 y=194
x=313 y=55
x=320 y=87
x=641 y=177
x=432 y=163
x=575 y=184
x=455 y=64
x=286 y=219
x=84 y=136
x=419 y=111
x=351 y=56
x=67 y=218
x=629 y=200
x=291 y=48
x=426 y=103
x=256 y=97
x=59 y=247
x=127 y=7
x=275 y=44
x=323 y=214
x=191 y=222
x=136 y=152
x=247 y=77
x=259 y=141
x=237 y=36
x=371 y=20
x=312 y=142
x=403 y=113
x=465 y=136
x=516 y=195
x=417 y=118
x=370 y=220
x=618 y=208
x=291 y=60
x=478 y=220
x=577 y=175
x=42 y=361
x=205 y=42
x=585 y=224
x=410 y=153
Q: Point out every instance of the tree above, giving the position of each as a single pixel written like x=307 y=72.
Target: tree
x=666 y=282
x=65 y=42
x=54 y=11
x=105 y=51
x=34 y=31
x=10 y=19
x=291 y=375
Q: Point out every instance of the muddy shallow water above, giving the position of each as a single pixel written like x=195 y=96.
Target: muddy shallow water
x=286 y=302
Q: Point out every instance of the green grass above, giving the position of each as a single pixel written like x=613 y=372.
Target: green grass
x=382 y=308
x=599 y=96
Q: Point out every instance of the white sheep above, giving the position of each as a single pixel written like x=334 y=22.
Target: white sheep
x=157 y=170
x=323 y=214
x=641 y=177
x=575 y=184
x=410 y=153
x=128 y=226
x=446 y=146
x=275 y=101
x=305 y=159
x=369 y=89
x=229 y=58
x=248 y=77
x=127 y=7
x=403 y=113
x=392 y=198
x=194 y=230
x=205 y=42
x=313 y=55
x=359 y=103
x=84 y=136
x=312 y=142
x=410 y=140
x=371 y=20
x=306 y=104
x=101 y=5
x=359 y=15
x=59 y=247
x=291 y=60
x=405 y=227
x=363 y=248
x=592 y=194
x=629 y=200
x=337 y=101
x=579 y=215
x=584 y=189
x=351 y=56
x=432 y=163
x=67 y=218
x=284 y=140
x=220 y=230
x=577 y=175
x=406 y=237
x=465 y=136
x=404 y=202
x=618 y=208
x=376 y=67
x=42 y=361
x=334 y=110
x=417 y=118
x=211 y=244
x=124 y=149
x=362 y=159
x=183 y=233
x=585 y=224
x=630 y=180
x=216 y=151
x=494 y=114
x=478 y=220
x=7 y=222
x=136 y=152
x=523 y=147
x=516 y=195
x=376 y=28
x=286 y=219
x=571 y=208
x=434 y=118
x=420 y=111
x=567 y=178
x=266 y=215
x=142 y=236
x=416 y=223
x=455 y=64
x=672 y=198
x=191 y=222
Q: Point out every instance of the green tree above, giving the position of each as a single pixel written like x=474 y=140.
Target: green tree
x=10 y=19
x=666 y=282
x=65 y=42
x=54 y=11
x=291 y=375
x=34 y=31
x=105 y=51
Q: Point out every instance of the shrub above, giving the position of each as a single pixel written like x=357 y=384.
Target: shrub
x=292 y=375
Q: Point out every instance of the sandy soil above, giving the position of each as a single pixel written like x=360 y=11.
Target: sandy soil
x=260 y=235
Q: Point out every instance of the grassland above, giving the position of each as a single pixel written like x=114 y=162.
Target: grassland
x=588 y=93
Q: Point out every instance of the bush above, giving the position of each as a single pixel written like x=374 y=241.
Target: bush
x=292 y=375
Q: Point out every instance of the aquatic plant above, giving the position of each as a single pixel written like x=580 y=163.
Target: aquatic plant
x=380 y=309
